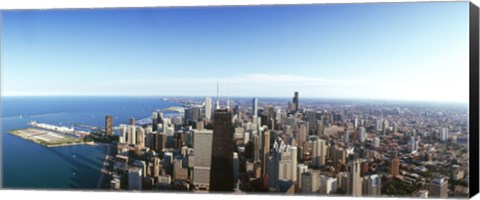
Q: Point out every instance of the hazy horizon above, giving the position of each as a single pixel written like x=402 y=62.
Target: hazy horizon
x=381 y=51
x=224 y=98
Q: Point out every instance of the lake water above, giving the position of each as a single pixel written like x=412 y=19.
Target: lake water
x=27 y=165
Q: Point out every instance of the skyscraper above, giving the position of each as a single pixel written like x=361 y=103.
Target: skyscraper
x=122 y=137
x=295 y=101
x=236 y=167
x=413 y=144
x=376 y=142
x=140 y=136
x=301 y=168
x=372 y=185
x=443 y=134
x=208 y=107
x=355 y=123
x=222 y=153
x=362 y=135
x=395 y=166
x=354 y=186
x=384 y=127
x=154 y=121
x=310 y=182
x=302 y=134
x=135 y=178
x=281 y=163
x=202 y=143
x=108 y=125
x=179 y=172
x=217 y=106
x=312 y=121
x=327 y=184
x=319 y=152
x=254 y=107
x=438 y=188
x=378 y=125
x=160 y=141
x=395 y=127
x=293 y=155
x=132 y=121
x=132 y=138
x=265 y=150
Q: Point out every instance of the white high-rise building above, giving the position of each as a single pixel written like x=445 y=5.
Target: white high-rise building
x=378 y=124
x=208 y=107
x=319 y=152
x=293 y=154
x=165 y=126
x=132 y=137
x=354 y=187
x=254 y=107
x=122 y=137
x=328 y=184
x=443 y=134
x=362 y=134
x=376 y=142
x=413 y=144
x=202 y=145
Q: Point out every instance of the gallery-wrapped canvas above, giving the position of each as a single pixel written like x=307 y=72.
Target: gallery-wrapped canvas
x=352 y=100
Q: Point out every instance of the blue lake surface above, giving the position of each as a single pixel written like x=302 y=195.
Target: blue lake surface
x=27 y=165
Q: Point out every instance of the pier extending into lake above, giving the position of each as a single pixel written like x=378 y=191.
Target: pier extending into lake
x=46 y=137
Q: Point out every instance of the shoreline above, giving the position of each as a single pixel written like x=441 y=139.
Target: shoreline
x=103 y=179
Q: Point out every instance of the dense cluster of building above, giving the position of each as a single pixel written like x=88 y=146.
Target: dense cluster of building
x=354 y=149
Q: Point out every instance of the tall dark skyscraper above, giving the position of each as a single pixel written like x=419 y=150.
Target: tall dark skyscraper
x=221 y=178
x=108 y=125
x=295 y=101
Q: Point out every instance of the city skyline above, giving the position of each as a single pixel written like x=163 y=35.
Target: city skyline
x=323 y=51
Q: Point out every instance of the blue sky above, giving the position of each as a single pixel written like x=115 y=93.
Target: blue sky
x=404 y=51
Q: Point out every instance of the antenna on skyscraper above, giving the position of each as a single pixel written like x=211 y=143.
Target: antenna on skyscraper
x=228 y=98
x=218 y=100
